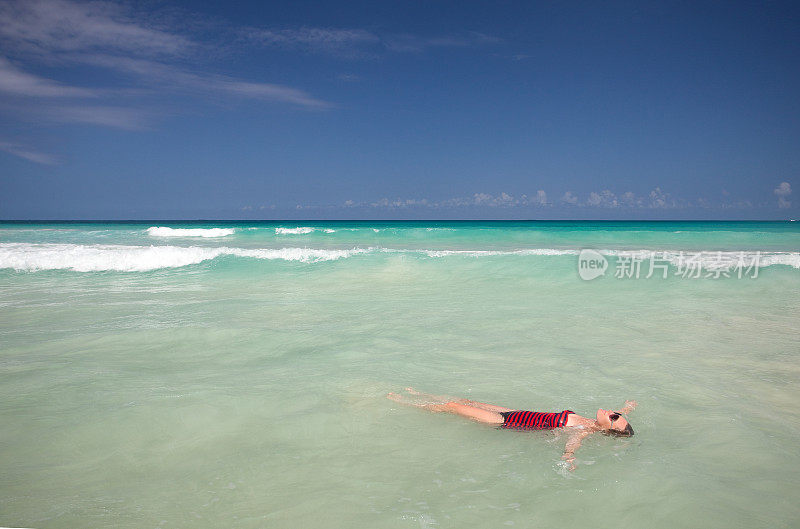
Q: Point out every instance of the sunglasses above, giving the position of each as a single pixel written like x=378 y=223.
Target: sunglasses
x=613 y=417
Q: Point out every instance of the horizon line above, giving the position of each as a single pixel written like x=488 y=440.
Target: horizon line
x=148 y=220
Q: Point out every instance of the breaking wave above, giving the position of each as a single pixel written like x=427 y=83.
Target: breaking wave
x=96 y=258
x=93 y=258
x=293 y=231
x=161 y=231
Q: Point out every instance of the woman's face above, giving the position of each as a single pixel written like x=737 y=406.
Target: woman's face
x=609 y=419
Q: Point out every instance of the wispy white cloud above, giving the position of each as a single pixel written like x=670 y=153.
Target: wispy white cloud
x=349 y=43
x=359 y=43
x=153 y=51
x=16 y=82
x=27 y=153
x=113 y=37
x=783 y=190
x=156 y=73
x=106 y=116
x=272 y=92
x=417 y=43
x=50 y=27
x=153 y=72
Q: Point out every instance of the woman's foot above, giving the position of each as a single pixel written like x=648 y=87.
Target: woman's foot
x=394 y=396
x=436 y=407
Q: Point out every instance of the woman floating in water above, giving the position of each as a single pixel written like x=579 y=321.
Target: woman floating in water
x=605 y=421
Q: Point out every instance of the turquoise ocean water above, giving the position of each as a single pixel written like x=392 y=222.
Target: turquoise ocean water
x=234 y=374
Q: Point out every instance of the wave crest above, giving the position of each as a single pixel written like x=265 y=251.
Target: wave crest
x=293 y=231
x=95 y=258
x=98 y=258
x=163 y=231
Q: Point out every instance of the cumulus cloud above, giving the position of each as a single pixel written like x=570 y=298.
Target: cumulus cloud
x=569 y=198
x=487 y=200
x=476 y=200
x=482 y=199
x=660 y=200
x=604 y=199
x=629 y=199
x=506 y=200
x=540 y=199
x=397 y=203
x=655 y=199
x=783 y=190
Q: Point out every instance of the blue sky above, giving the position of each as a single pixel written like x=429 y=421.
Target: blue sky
x=615 y=110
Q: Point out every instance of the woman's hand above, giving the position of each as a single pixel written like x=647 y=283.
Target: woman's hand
x=630 y=405
x=570 y=459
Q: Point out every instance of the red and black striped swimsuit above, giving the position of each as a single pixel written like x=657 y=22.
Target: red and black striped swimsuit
x=534 y=420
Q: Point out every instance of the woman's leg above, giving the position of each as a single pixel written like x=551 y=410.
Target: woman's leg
x=457 y=408
x=484 y=406
x=474 y=413
x=473 y=403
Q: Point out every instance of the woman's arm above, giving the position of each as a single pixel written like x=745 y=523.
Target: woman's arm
x=573 y=444
x=630 y=405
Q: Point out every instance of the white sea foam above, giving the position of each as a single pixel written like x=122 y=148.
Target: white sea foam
x=485 y=253
x=328 y=230
x=95 y=258
x=92 y=258
x=161 y=231
x=705 y=260
x=293 y=231
x=779 y=258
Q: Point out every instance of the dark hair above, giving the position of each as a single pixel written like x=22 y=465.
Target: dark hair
x=627 y=432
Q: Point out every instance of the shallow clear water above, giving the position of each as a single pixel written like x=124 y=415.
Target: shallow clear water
x=189 y=386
